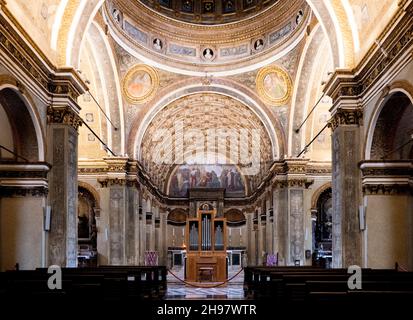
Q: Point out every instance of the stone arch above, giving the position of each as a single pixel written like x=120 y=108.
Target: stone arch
x=177 y=217
x=317 y=194
x=235 y=217
x=23 y=117
x=70 y=28
x=310 y=68
x=220 y=86
x=402 y=87
x=92 y=191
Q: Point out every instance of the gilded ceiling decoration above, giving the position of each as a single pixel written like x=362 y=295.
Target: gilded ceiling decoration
x=187 y=120
x=208 y=48
x=209 y=11
x=140 y=84
x=274 y=85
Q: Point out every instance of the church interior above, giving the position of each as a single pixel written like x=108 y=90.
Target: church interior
x=234 y=149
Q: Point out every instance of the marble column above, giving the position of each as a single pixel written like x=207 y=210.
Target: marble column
x=258 y=234
x=280 y=222
x=268 y=227
x=296 y=225
x=250 y=238
x=163 y=247
x=143 y=243
x=346 y=186
x=62 y=140
x=131 y=220
x=120 y=190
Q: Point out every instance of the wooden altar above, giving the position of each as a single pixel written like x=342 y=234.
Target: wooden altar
x=206 y=259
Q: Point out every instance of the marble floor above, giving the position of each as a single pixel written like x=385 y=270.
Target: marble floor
x=178 y=290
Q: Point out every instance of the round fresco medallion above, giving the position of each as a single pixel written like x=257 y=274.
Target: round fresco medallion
x=140 y=83
x=274 y=85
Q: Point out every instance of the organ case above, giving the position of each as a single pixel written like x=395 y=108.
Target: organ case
x=206 y=247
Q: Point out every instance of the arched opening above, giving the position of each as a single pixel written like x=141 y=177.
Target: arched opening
x=21 y=198
x=236 y=238
x=322 y=222
x=387 y=184
x=393 y=131
x=86 y=228
x=176 y=221
x=18 y=140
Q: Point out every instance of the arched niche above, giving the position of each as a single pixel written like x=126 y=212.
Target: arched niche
x=392 y=129
x=20 y=133
x=88 y=211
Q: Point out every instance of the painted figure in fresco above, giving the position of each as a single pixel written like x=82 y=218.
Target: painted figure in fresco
x=140 y=84
x=275 y=86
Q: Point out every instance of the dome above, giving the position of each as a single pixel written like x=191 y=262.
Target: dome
x=209 y=12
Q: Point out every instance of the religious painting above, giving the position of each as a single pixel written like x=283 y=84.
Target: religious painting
x=206 y=176
x=140 y=84
x=274 y=85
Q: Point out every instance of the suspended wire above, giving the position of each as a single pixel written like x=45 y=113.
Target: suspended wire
x=311 y=142
x=397 y=149
x=104 y=113
x=101 y=141
x=309 y=114
x=13 y=153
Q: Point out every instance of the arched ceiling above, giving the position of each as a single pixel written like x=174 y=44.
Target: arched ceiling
x=189 y=121
x=209 y=11
x=58 y=26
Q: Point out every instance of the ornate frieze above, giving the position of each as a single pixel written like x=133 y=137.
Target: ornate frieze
x=9 y=192
x=64 y=116
x=304 y=183
x=387 y=189
x=346 y=117
x=387 y=177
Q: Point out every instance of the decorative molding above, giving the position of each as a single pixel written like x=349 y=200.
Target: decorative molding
x=387 y=177
x=14 y=42
x=11 y=192
x=65 y=116
x=355 y=83
x=112 y=182
x=304 y=183
x=387 y=189
x=346 y=117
